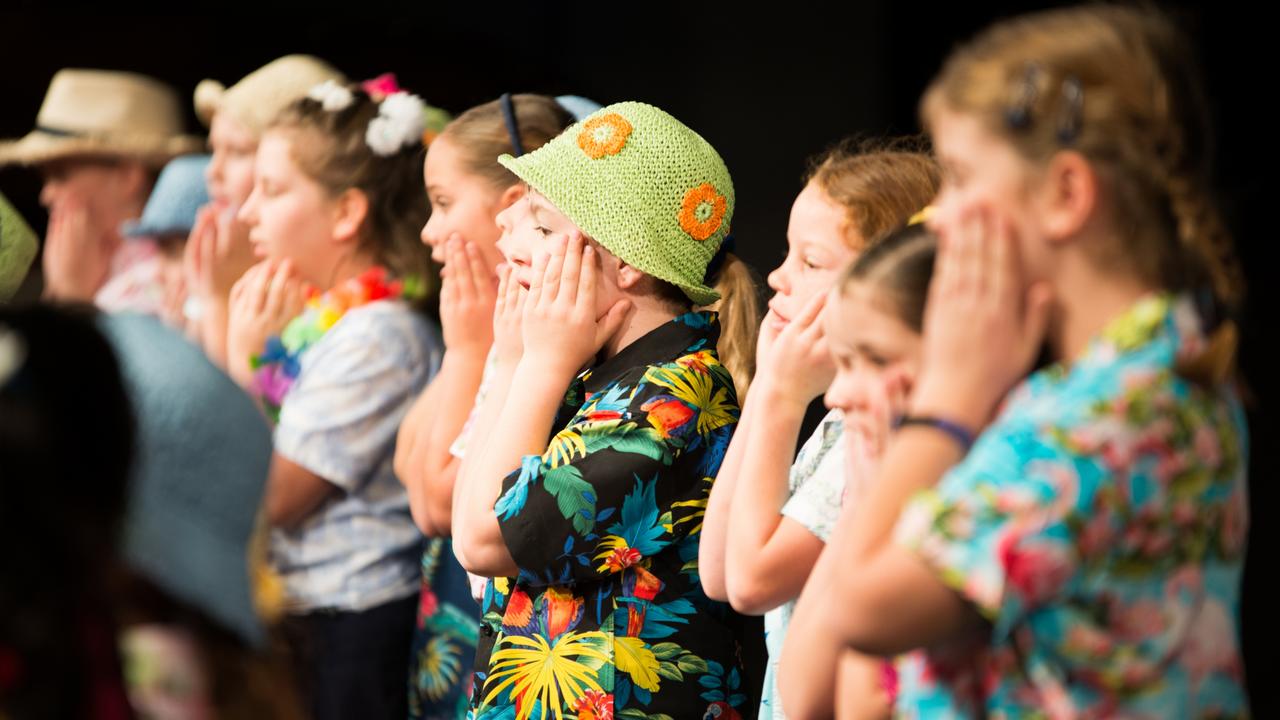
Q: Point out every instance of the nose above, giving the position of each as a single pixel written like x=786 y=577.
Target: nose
x=430 y=235
x=778 y=280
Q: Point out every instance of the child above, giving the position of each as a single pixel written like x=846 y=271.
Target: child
x=467 y=189
x=596 y=608
x=337 y=203
x=1093 y=537
x=768 y=517
x=166 y=221
x=218 y=252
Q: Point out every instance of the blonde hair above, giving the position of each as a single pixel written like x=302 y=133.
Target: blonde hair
x=1116 y=85
x=741 y=311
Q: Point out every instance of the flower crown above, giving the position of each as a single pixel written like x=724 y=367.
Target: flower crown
x=403 y=120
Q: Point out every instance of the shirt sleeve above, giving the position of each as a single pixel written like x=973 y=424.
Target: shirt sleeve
x=997 y=530
x=818 y=496
x=340 y=418
x=624 y=480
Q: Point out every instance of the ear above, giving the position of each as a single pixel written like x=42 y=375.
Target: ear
x=350 y=210
x=629 y=276
x=511 y=195
x=136 y=179
x=1068 y=195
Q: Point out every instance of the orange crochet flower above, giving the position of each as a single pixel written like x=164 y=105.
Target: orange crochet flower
x=703 y=211
x=604 y=135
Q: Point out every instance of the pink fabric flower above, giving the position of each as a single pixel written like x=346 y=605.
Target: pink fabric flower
x=381 y=86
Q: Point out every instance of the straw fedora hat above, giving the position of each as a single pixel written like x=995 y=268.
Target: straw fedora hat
x=262 y=94
x=104 y=112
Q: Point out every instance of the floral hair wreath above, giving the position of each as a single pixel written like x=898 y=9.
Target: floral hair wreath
x=403 y=118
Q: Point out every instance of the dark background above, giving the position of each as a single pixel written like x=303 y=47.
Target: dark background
x=767 y=88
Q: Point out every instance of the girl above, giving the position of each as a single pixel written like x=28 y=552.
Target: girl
x=337 y=203
x=768 y=518
x=218 y=251
x=1094 y=535
x=596 y=609
x=467 y=189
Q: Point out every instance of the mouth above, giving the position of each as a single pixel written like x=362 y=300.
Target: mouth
x=777 y=318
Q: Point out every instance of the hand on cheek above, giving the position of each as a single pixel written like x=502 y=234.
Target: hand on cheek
x=563 y=329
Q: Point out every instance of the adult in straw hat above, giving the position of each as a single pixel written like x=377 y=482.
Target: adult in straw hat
x=100 y=137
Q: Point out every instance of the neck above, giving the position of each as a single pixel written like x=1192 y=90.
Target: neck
x=643 y=318
x=1088 y=298
x=348 y=267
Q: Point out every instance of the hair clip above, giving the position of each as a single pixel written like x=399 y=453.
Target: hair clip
x=1018 y=115
x=1072 y=114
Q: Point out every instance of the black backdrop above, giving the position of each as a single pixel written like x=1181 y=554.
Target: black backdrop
x=767 y=87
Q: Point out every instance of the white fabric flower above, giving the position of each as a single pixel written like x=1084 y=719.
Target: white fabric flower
x=400 y=122
x=331 y=96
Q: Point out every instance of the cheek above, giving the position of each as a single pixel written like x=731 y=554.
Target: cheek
x=283 y=222
x=804 y=286
x=474 y=222
x=239 y=180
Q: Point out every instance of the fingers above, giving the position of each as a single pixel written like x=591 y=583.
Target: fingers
x=458 y=264
x=538 y=276
x=225 y=235
x=551 y=272
x=209 y=251
x=256 y=290
x=295 y=298
x=571 y=275
x=1002 y=271
x=482 y=277
x=505 y=281
x=274 y=303
x=811 y=311
x=612 y=321
x=588 y=272
x=191 y=254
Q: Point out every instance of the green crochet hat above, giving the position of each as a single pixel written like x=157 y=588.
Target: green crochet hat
x=17 y=249
x=643 y=185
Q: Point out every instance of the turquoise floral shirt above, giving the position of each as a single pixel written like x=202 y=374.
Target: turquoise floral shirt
x=1099 y=525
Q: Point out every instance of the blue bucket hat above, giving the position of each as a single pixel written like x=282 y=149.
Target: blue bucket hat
x=202 y=458
x=578 y=106
x=179 y=193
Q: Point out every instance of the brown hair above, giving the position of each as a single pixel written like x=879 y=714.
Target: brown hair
x=900 y=267
x=480 y=134
x=336 y=155
x=1116 y=85
x=879 y=183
